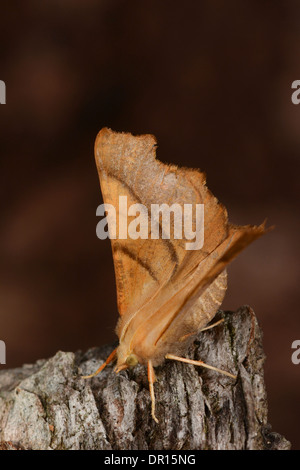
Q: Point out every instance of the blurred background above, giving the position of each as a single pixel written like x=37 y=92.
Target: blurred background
x=212 y=81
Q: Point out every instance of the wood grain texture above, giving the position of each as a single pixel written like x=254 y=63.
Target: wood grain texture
x=47 y=405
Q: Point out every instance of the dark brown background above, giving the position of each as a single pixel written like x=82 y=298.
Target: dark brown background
x=212 y=80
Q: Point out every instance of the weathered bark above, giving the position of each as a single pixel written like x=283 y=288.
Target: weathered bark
x=48 y=405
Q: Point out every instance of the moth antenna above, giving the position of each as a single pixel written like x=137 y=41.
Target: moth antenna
x=108 y=360
x=199 y=363
x=152 y=379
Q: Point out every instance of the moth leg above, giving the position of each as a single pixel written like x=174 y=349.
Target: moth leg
x=108 y=360
x=152 y=379
x=198 y=363
x=213 y=325
x=184 y=337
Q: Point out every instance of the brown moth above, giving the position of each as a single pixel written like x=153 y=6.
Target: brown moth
x=166 y=294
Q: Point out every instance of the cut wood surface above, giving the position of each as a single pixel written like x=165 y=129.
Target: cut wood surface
x=47 y=405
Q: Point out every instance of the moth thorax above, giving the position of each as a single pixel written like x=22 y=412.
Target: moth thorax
x=132 y=360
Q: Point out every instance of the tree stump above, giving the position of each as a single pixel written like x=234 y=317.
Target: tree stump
x=47 y=405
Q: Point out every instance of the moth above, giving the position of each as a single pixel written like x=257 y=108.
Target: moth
x=166 y=294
